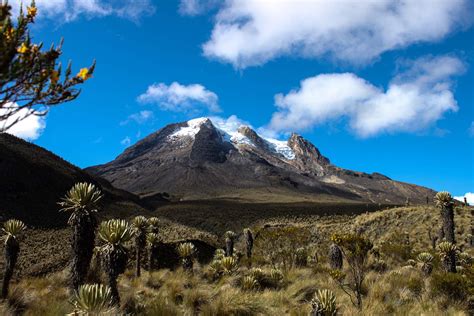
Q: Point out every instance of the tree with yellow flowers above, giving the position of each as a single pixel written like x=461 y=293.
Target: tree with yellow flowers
x=31 y=78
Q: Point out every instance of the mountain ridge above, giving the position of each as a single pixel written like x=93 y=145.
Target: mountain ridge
x=202 y=159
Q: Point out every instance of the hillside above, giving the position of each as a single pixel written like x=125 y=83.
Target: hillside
x=34 y=179
x=199 y=159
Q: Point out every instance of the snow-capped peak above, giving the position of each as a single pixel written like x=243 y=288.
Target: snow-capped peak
x=231 y=131
x=192 y=129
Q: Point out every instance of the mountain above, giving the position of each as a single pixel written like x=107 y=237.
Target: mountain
x=34 y=179
x=199 y=159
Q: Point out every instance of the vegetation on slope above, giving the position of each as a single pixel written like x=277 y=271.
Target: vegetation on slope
x=289 y=272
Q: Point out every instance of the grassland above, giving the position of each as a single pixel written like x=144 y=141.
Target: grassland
x=399 y=289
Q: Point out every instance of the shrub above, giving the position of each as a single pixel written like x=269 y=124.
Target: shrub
x=186 y=251
x=453 y=286
x=464 y=259
x=277 y=244
x=93 y=299
x=378 y=265
x=447 y=252
x=425 y=261
x=397 y=248
x=249 y=283
x=355 y=249
x=229 y=265
x=301 y=259
x=324 y=304
x=267 y=279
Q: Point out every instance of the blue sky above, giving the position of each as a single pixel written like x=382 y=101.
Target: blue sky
x=377 y=87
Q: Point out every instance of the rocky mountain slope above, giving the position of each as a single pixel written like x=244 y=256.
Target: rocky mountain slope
x=199 y=159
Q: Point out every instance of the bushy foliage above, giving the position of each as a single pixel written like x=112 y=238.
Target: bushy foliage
x=425 y=262
x=154 y=223
x=453 y=286
x=93 y=299
x=277 y=245
x=115 y=232
x=301 y=258
x=249 y=283
x=82 y=198
x=186 y=251
x=378 y=265
x=31 y=79
x=355 y=249
x=12 y=228
x=447 y=252
x=397 y=247
x=443 y=199
x=324 y=304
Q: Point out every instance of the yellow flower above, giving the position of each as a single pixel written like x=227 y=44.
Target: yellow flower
x=23 y=49
x=9 y=33
x=84 y=74
x=54 y=76
x=32 y=12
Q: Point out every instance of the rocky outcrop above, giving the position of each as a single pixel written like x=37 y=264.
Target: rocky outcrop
x=307 y=157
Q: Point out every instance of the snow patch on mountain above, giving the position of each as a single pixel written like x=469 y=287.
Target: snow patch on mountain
x=281 y=147
x=228 y=128
x=191 y=130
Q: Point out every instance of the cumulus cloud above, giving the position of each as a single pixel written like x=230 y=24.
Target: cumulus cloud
x=139 y=118
x=180 y=98
x=29 y=128
x=414 y=99
x=69 y=10
x=469 y=196
x=252 y=32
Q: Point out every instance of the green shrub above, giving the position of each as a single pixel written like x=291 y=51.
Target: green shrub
x=397 y=247
x=378 y=265
x=450 y=285
x=415 y=285
x=277 y=245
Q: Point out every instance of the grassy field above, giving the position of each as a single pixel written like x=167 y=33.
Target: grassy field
x=398 y=233
x=204 y=220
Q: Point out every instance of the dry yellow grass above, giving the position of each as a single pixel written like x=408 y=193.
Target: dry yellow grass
x=401 y=290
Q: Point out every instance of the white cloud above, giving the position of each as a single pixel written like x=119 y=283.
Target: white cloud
x=230 y=124
x=126 y=141
x=471 y=129
x=29 y=128
x=469 y=196
x=416 y=98
x=196 y=7
x=252 y=32
x=69 y=10
x=140 y=117
x=180 y=98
